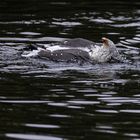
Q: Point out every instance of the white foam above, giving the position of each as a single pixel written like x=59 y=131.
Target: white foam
x=32 y=53
x=55 y=48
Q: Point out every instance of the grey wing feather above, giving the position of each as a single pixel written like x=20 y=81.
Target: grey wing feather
x=77 y=42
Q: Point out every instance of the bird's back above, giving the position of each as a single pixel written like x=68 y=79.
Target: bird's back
x=77 y=42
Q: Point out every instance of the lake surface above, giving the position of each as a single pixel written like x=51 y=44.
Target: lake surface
x=41 y=100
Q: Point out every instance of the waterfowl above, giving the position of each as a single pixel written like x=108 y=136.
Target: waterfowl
x=78 y=49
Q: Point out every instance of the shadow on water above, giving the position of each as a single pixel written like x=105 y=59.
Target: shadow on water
x=47 y=100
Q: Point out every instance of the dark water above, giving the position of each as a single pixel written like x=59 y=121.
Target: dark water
x=42 y=100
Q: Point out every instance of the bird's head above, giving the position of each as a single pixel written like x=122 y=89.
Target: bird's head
x=111 y=47
x=107 y=43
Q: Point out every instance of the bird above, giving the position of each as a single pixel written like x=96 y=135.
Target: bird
x=77 y=50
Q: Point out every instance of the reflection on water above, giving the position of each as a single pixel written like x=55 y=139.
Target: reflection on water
x=47 y=100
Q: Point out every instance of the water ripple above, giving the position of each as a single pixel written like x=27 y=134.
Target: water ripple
x=50 y=126
x=31 y=137
x=119 y=100
x=130 y=111
x=107 y=111
x=23 y=101
x=67 y=24
x=101 y=20
x=76 y=102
